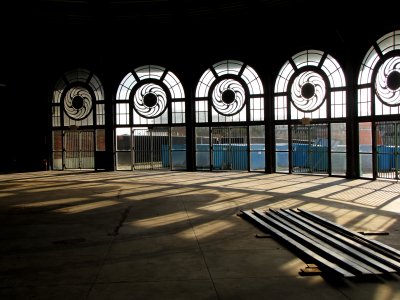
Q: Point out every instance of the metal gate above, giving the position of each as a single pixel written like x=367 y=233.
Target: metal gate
x=310 y=148
x=229 y=149
x=387 y=149
x=78 y=150
x=150 y=148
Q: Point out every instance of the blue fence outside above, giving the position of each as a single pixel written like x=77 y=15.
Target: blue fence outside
x=178 y=154
x=314 y=157
x=257 y=156
x=387 y=156
x=234 y=154
x=303 y=155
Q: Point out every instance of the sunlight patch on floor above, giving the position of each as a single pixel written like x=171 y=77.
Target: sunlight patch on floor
x=293 y=188
x=377 y=198
x=375 y=222
x=52 y=202
x=287 y=203
x=219 y=206
x=86 y=207
x=386 y=292
x=325 y=192
x=294 y=264
x=163 y=220
x=207 y=229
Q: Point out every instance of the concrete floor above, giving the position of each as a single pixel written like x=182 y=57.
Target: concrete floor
x=177 y=235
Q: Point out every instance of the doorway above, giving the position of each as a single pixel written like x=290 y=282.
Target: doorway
x=150 y=148
x=387 y=150
x=79 y=149
x=310 y=144
x=229 y=148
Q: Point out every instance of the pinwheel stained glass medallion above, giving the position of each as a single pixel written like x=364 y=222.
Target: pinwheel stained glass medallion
x=78 y=103
x=308 y=91
x=150 y=100
x=387 y=82
x=228 y=97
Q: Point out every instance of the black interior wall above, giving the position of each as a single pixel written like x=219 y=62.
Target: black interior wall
x=36 y=51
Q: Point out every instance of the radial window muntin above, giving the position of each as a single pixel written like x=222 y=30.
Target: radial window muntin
x=225 y=107
x=229 y=95
x=375 y=96
x=308 y=89
x=387 y=80
x=323 y=64
x=150 y=95
x=150 y=98
x=78 y=100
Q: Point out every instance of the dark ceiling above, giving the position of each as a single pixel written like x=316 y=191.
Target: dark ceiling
x=180 y=27
x=152 y=12
x=158 y=13
x=260 y=19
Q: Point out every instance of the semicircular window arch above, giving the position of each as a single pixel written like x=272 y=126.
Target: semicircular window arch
x=149 y=95
x=229 y=91
x=78 y=100
x=379 y=78
x=311 y=84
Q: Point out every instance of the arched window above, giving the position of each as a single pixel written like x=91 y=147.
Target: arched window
x=229 y=117
x=78 y=120
x=78 y=100
x=229 y=91
x=150 y=95
x=150 y=120
x=379 y=108
x=379 y=78
x=310 y=85
x=309 y=113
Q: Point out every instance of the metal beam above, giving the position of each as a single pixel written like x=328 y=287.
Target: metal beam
x=322 y=262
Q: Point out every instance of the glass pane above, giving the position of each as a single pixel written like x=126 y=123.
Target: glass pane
x=57 y=140
x=281 y=137
x=123 y=139
x=365 y=137
x=178 y=153
x=174 y=85
x=124 y=161
x=366 y=165
x=57 y=160
x=282 y=161
x=202 y=148
x=281 y=148
x=338 y=137
x=338 y=163
x=56 y=116
x=257 y=147
x=257 y=158
x=100 y=117
x=257 y=109
x=100 y=140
